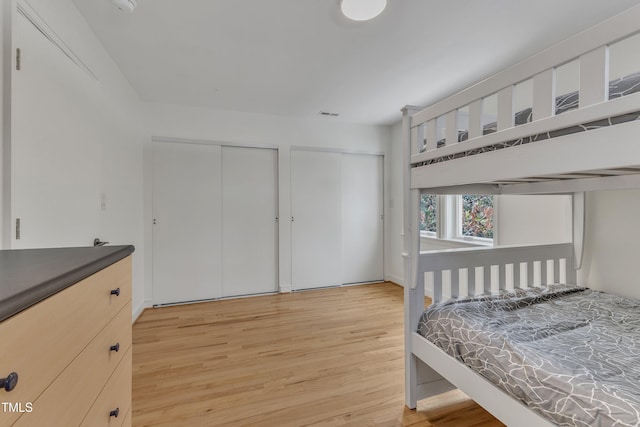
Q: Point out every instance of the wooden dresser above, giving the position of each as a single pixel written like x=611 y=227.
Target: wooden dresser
x=72 y=354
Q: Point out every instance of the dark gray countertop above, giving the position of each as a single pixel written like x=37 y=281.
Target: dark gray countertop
x=28 y=276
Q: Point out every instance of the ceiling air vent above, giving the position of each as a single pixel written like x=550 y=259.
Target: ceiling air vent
x=328 y=114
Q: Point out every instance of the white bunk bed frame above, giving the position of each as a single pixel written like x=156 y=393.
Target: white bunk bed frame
x=600 y=159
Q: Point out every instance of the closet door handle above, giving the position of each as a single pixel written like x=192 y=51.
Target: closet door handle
x=115 y=347
x=10 y=382
x=116 y=292
x=114 y=413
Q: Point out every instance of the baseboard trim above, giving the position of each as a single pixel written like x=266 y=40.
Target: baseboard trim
x=395 y=279
x=137 y=312
x=285 y=289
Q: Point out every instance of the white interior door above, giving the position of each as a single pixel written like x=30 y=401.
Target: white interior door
x=249 y=227
x=362 y=218
x=187 y=234
x=316 y=199
x=55 y=180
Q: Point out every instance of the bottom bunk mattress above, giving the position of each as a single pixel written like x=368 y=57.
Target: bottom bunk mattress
x=572 y=354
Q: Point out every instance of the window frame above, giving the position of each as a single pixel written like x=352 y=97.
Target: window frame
x=459 y=222
x=449 y=222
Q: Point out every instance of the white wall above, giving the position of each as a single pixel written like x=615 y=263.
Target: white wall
x=611 y=242
x=86 y=146
x=530 y=220
x=261 y=131
x=394 y=263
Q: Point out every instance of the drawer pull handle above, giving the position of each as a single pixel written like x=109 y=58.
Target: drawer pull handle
x=116 y=292
x=115 y=348
x=10 y=382
x=114 y=413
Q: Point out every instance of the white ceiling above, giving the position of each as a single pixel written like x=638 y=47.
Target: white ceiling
x=300 y=57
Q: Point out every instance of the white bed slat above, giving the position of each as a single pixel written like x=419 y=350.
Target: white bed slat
x=506 y=280
x=486 y=277
x=454 y=281
x=451 y=133
x=544 y=95
x=464 y=288
x=446 y=284
x=496 y=276
x=478 y=280
x=437 y=285
x=416 y=141
x=475 y=119
x=536 y=276
x=594 y=77
x=505 y=108
x=432 y=135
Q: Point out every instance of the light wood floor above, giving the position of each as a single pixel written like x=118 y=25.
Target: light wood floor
x=330 y=358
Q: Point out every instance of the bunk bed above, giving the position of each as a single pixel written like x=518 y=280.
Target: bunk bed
x=510 y=326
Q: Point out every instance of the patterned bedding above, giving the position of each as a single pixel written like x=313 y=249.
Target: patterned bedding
x=572 y=354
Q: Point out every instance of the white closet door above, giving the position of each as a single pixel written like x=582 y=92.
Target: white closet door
x=187 y=234
x=316 y=199
x=362 y=220
x=249 y=228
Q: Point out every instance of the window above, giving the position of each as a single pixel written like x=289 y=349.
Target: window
x=428 y=213
x=466 y=217
x=475 y=216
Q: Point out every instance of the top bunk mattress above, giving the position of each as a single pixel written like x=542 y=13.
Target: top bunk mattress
x=571 y=354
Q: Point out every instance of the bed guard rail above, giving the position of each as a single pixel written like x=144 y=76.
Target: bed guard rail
x=471 y=271
x=491 y=114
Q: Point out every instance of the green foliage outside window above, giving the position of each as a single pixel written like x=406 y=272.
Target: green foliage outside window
x=428 y=213
x=477 y=216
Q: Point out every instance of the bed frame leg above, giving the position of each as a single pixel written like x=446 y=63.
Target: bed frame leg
x=411 y=382
x=413 y=307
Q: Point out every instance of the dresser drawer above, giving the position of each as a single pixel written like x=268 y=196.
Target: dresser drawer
x=127 y=420
x=70 y=396
x=115 y=396
x=45 y=338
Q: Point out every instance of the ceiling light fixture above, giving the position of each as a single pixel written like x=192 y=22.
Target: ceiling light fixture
x=126 y=6
x=362 y=10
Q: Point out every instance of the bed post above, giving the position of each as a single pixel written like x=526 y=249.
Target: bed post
x=578 y=200
x=413 y=303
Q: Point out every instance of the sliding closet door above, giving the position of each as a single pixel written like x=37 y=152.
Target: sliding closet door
x=362 y=218
x=316 y=199
x=187 y=232
x=337 y=205
x=249 y=227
